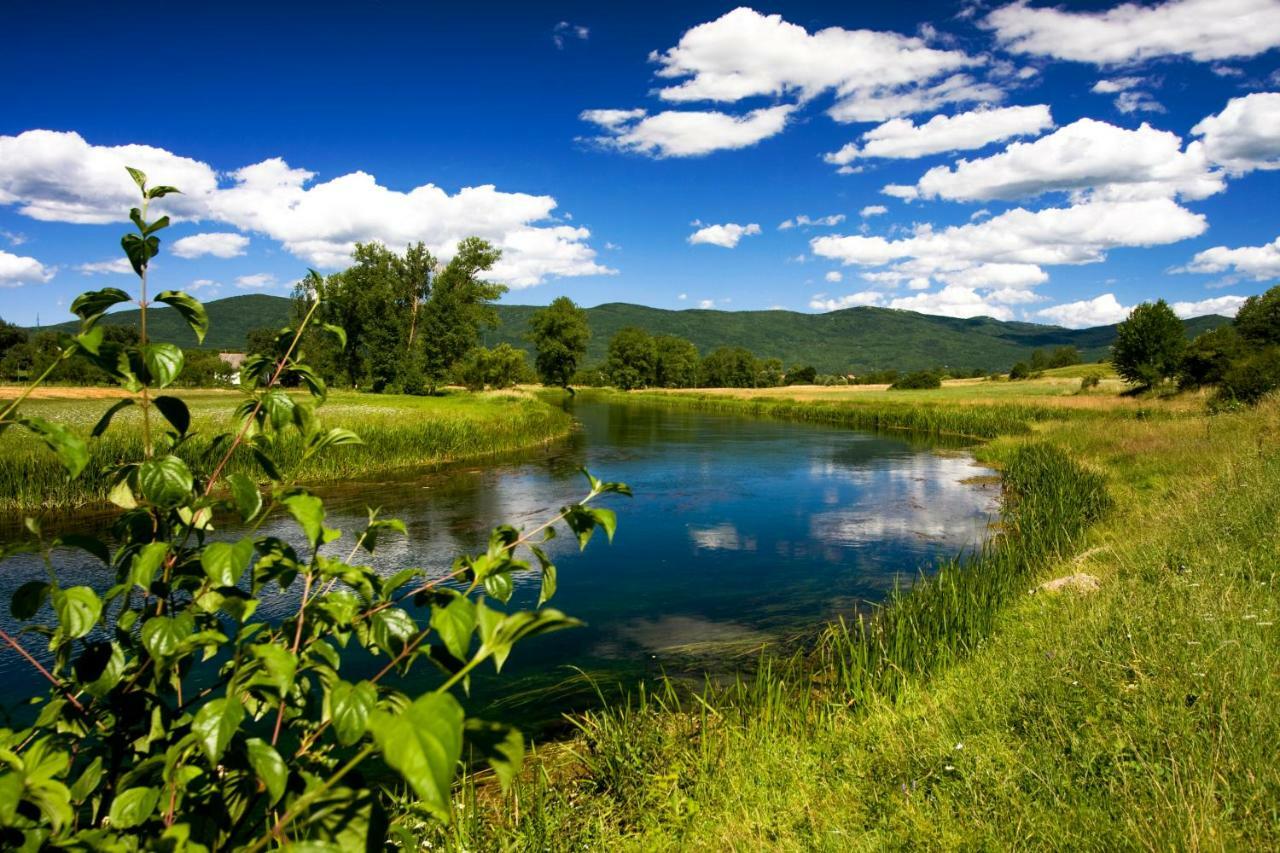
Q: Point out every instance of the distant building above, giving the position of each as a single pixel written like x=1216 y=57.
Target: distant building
x=233 y=360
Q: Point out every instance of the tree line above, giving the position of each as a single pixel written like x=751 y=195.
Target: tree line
x=1241 y=360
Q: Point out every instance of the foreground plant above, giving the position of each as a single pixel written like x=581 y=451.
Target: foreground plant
x=175 y=718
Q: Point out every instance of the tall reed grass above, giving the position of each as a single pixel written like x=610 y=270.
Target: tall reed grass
x=977 y=421
x=396 y=433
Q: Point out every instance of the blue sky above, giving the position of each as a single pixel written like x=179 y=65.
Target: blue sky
x=650 y=153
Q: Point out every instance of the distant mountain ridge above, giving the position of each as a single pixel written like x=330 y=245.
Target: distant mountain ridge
x=850 y=339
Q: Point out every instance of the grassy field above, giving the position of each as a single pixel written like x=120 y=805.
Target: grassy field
x=398 y=432
x=1140 y=710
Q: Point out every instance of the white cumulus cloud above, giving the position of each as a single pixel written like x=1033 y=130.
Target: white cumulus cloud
x=57 y=176
x=17 y=270
x=1246 y=134
x=257 y=281
x=726 y=235
x=1256 y=262
x=873 y=210
x=1100 y=311
x=1224 y=305
x=1203 y=30
x=1110 y=161
x=219 y=245
x=691 y=133
x=901 y=138
x=114 y=266
x=745 y=54
x=834 y=276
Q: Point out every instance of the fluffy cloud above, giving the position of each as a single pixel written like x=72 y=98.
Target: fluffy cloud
x=16 y=270
x=1112 y=162
x=726 y=235
x=114 y=266
x=853 y=300
x=707 y=304
x=1116 y=84
x=1079 y=234
x=745 y=54
x=804 y=221
x=1256 y=262
x=834 y=276
x=1246 y=134
x=220 y=245
x=1203 y=30
x=901 y=138
x=61 y=177
x=1224 y=305
x=950 y=301
x=1137 y=102
x=257 y=281
x=685 y=134
x=1099 y=311
x=987 y=265
x=873 y=210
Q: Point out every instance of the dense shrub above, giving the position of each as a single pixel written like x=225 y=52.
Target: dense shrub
x=1252 y=377
x=917 y=380
x=1149 y=345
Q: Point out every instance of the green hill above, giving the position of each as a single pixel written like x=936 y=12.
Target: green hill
x=838 y=341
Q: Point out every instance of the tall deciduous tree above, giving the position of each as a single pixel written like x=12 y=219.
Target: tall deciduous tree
x=461 y=304
x=560 y=334
x=632 y=359
x=1149 y=344
x=677 y=362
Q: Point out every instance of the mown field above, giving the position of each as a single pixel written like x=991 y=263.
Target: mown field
x=1138 y=708
x=397 y=432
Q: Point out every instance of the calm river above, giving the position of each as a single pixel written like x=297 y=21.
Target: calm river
x=742 y=532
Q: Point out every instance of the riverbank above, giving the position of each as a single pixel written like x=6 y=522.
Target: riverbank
x=397 y=431
x=1137 y=707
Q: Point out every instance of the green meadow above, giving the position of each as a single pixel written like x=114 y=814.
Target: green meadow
x=1134 y=707
x=397 y=431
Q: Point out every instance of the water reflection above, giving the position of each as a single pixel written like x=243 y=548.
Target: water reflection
x=742 y=532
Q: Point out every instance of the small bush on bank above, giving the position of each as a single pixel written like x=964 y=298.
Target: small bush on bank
x=920 y=379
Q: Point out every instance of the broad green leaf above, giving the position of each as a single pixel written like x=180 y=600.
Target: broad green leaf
x=244 y=492
x=501 y=746
x=225 y=562
x=499 y=586
x=121 y=494
x=164 y=363
x=608 y=519
x=70 y=448
x=139 y=177
x=165 y=482
x=78 y=609
x=100 y=667
x=162 y=636
x=190 y=309
x=28 y=599
x=308 y=511
x=147 y=562
x=269 y=767
x=89 y=544
x=278 y=666
x=333 y=438
x=455 y=622
x=132 y=807
x=423 y=744
x=90 y=340
x=338 y=332
x=349 y=709
x=175 y=412
x=161 y=192
x=391 y=628
x=515 y=627
x=91 y=305
x=216 y=724
x=87 y=781
x=105 y=420
x=139 y=251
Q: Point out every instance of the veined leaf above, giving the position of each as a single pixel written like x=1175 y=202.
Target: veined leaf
x=423 y=744
x=349 y=707
x=269 y=767
x=165 y=482
x=190 y=309
x=70 y=448
x=216 y=724
x=78 y=609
